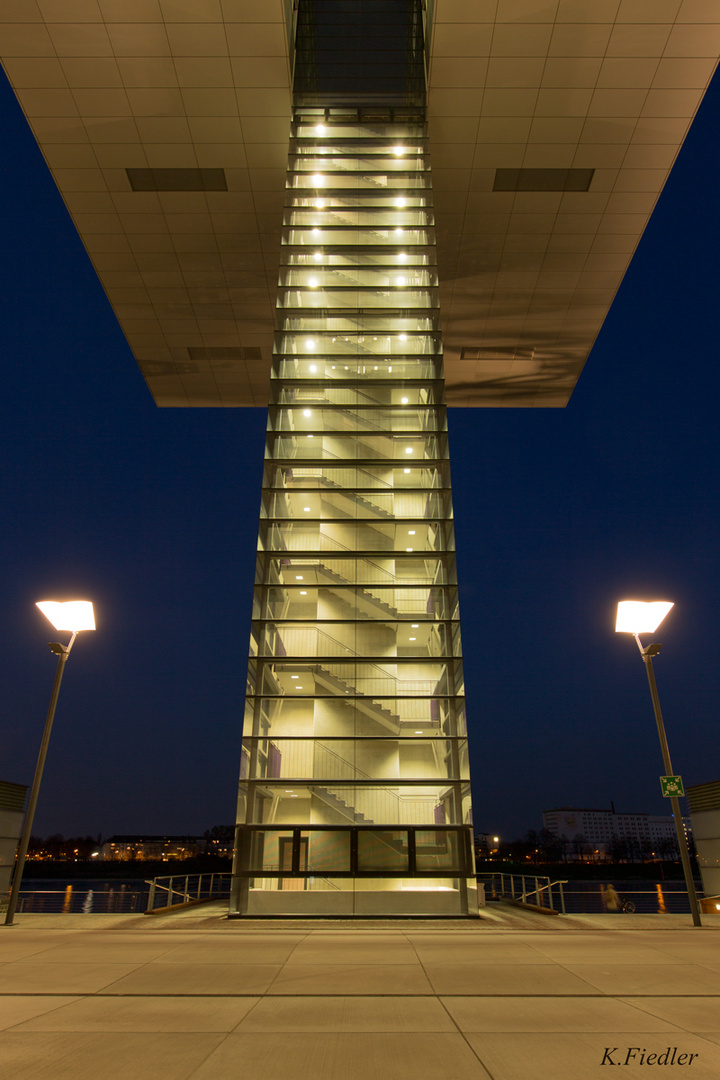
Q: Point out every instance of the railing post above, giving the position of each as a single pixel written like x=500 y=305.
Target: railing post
x=151 y=896
x=562 y=897
x=186 y=894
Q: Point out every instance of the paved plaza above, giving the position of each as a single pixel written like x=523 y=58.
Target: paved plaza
x=193 y=996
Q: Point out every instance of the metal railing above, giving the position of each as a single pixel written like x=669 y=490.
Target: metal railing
x=79 y=901
x=654 y=898
x=177 y=890
x=539 y=892
x=588 y=897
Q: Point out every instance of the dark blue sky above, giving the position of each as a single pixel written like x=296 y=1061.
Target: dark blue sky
x=152 y=514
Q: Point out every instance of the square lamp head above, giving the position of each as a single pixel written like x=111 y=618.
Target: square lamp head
x=74 y=615
x=638 y=617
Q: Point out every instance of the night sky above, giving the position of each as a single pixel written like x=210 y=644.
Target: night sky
x=152 y=514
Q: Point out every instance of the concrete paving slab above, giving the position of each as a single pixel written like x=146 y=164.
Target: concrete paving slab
x=226 y=950
x=347 y=978
x=16 y=1010
x=698 y=1014
x=476 y=952
x=113 y=952
x=572 y=1056
x=491 y=979
x=528 y=1014
x=370 y=950
x=72 y=1056
x=343 y=1056
x=220 y=979
x=649 y=979
x=43 y=977
x=347 y=1014
x=142 y=1014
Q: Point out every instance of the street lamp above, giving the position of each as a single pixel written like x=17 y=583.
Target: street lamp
x=636 y=617
x=75 y=615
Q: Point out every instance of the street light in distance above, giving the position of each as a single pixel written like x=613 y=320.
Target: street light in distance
x=72 y=615
x=638 y=617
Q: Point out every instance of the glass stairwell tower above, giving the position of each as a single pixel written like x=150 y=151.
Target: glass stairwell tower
x=354 y=790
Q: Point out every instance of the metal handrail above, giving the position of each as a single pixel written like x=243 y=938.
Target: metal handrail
x=205 y=887
x=523 y=893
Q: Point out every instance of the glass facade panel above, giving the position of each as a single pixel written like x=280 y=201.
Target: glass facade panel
x=355 y=790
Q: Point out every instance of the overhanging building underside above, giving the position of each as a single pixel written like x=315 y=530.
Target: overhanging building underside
x=552 y=127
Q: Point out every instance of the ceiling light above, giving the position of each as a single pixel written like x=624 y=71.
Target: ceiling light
x=317 y=256
x=406 y=470
x=402 y=281
x=408 y=549
x=398 y=230
x=294 y=676
x=313 y=283
x=320 y=203
x=309 y=344
x=403 y=337
x=418 y=732
x=320 y=128
x=303 y=592
x=316 y=232
x=403 y=401
x=398 y=151
x=313 y=367
x=411 y=532
x=297 y=688
x=408 y=449
x=413 y=639
x=307 y=412
x=311 y=436
x=317 y=180
x=415 y=625
x=401 y=254
x=306 y=509
x=400 y=202
x=298 y=577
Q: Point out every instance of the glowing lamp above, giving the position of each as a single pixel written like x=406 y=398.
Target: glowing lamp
x=638 y=617
x=74 y=615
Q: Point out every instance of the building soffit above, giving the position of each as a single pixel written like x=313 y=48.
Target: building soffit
x=549 y=92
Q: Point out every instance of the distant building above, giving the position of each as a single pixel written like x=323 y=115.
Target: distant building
x=152 y=848
x=12 y=807
x=485 y=844
x=704 y=802
x=600 y=828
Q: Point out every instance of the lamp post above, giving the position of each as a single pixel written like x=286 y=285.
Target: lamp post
x=75 y=615
x=637 y=617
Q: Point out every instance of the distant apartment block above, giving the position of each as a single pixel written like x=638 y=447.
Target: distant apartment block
x=600 y=828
